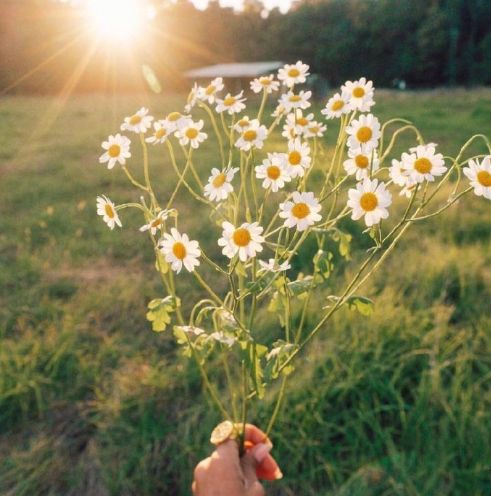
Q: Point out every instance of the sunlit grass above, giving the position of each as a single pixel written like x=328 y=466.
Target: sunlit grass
x=93 y=402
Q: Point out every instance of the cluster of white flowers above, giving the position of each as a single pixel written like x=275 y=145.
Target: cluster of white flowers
x=286 y=168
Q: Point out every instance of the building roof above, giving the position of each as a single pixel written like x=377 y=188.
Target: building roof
x=238 y=70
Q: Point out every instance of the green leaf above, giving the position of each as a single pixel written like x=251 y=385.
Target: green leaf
x=277 y=306
x=344 y=240
x=160 y=264
x=240 y=269
x=278 y=355
x=257 y=374
x=159 y=312
x=301 y=285
x=361 y=304
x=323 y=263
x=261 y=283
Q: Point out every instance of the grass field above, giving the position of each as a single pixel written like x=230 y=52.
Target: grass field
x=92 y=402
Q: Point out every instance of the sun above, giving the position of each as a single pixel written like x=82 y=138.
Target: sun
x=116 y=20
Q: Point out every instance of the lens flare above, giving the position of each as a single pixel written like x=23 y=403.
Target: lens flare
x=116 y=20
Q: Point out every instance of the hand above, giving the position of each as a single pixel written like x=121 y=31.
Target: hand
x=224 y=473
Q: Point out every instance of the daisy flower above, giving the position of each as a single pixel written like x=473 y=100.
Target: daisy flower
x=264 y=83
x=274 y=266
x=253 y=136
x=176 y=120
x=107 y=210
x=179 y=250
x=162 y=130
x=337 y=105
x=315 y=130
x=369 y=199
x=360 y=94
x=292 y=74
x=400 y=177
x=479 y=176
x=192 y=98
x=423 y=164
x=242 y=124
x=219 y=184
x=208 y=94
x=296 y=124
x=156 y=223
x=359 y=162
x=138 y=123
x=191 y=134
x=231 y=104
x=245 y=240
x=364 y=131
x=301 y=211
x=291 y=101
x=298 y=158
x=279 y=110
x=117 y=150
x=273 y=171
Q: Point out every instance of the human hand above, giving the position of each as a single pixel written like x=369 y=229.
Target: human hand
x=225 y=473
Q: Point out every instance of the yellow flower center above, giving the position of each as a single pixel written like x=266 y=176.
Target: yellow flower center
x=300 y=210
x=250 y=135
x=114 y=151
x=362 y=161
x=109 y=210
x=484 y=178
x=179 y=250
x=295 y=98
x=364 y=134
x=273 y=172
x=210 y=89
x=241 y=237
x=243 y=123
x=219 y=180
x=191 y=133
x=174 y=116
x=135 y=119
x=337 y=105
x=368 y=201
x=160 y=133
x=229 y=101
x=314 y=129
x=422 y=165
x=156 y=222
x=302 y=121
x=294 y=72
x=294 y=157
x=265 y=81
x=358 y=92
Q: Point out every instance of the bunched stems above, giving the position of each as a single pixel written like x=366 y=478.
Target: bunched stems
x=252 y=281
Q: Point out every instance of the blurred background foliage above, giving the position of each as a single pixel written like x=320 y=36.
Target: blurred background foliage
x=425 y=43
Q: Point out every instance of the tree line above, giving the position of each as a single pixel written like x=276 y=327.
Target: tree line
x=45 y=46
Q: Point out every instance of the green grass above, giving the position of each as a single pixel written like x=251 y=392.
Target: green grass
x=93 y=402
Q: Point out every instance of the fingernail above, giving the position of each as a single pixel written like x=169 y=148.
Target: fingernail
x=278 y=474
x=268 y=442
x=260 y=452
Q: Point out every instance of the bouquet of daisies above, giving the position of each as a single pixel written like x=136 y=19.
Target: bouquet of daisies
x=274 y=187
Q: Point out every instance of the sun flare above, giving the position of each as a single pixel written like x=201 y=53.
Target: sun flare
x=116 y=20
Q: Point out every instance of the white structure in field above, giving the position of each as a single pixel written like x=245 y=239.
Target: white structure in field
x=236 y=75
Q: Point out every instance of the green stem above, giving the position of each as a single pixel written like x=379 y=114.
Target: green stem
x=277 y=407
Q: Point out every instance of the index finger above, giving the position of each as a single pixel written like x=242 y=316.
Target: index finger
x=256 y=435
x=268 y=469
